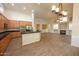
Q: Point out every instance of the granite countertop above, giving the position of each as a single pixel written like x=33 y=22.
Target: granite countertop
x=9 y=30
x=3 y=35
x=29 y=32
x=6 y=32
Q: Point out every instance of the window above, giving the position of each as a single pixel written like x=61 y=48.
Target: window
x=55 y=26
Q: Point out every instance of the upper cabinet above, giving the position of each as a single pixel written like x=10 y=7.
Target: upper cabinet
x=3 y=22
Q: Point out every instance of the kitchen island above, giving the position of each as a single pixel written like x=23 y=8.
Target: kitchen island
x=30 y=37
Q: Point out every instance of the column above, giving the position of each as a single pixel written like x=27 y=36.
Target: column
x=33 y=25
x=75 y=26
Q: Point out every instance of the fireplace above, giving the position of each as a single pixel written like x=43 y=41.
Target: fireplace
x=63 y=32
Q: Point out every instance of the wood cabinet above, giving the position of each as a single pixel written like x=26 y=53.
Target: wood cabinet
x=13 y=24
x=4 y=43
x=5 y=22
x=15 y=34
x=1 y=23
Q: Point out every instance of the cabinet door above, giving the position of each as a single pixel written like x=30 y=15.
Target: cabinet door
x=1 y=23
x=5 y=22
x=15 y=34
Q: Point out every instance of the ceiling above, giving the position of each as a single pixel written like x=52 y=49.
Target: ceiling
x=42 y=10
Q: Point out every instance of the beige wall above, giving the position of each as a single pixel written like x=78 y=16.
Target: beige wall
x=41 y=22
x=75 y=26
x=51 y=23
x=1 y=8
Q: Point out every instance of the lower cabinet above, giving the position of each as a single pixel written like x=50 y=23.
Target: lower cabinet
x=15 y=34
x=4 y=44
x=6 y=40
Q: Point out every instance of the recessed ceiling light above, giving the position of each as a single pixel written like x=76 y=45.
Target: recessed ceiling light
x=12 y=4
x=24 y=8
